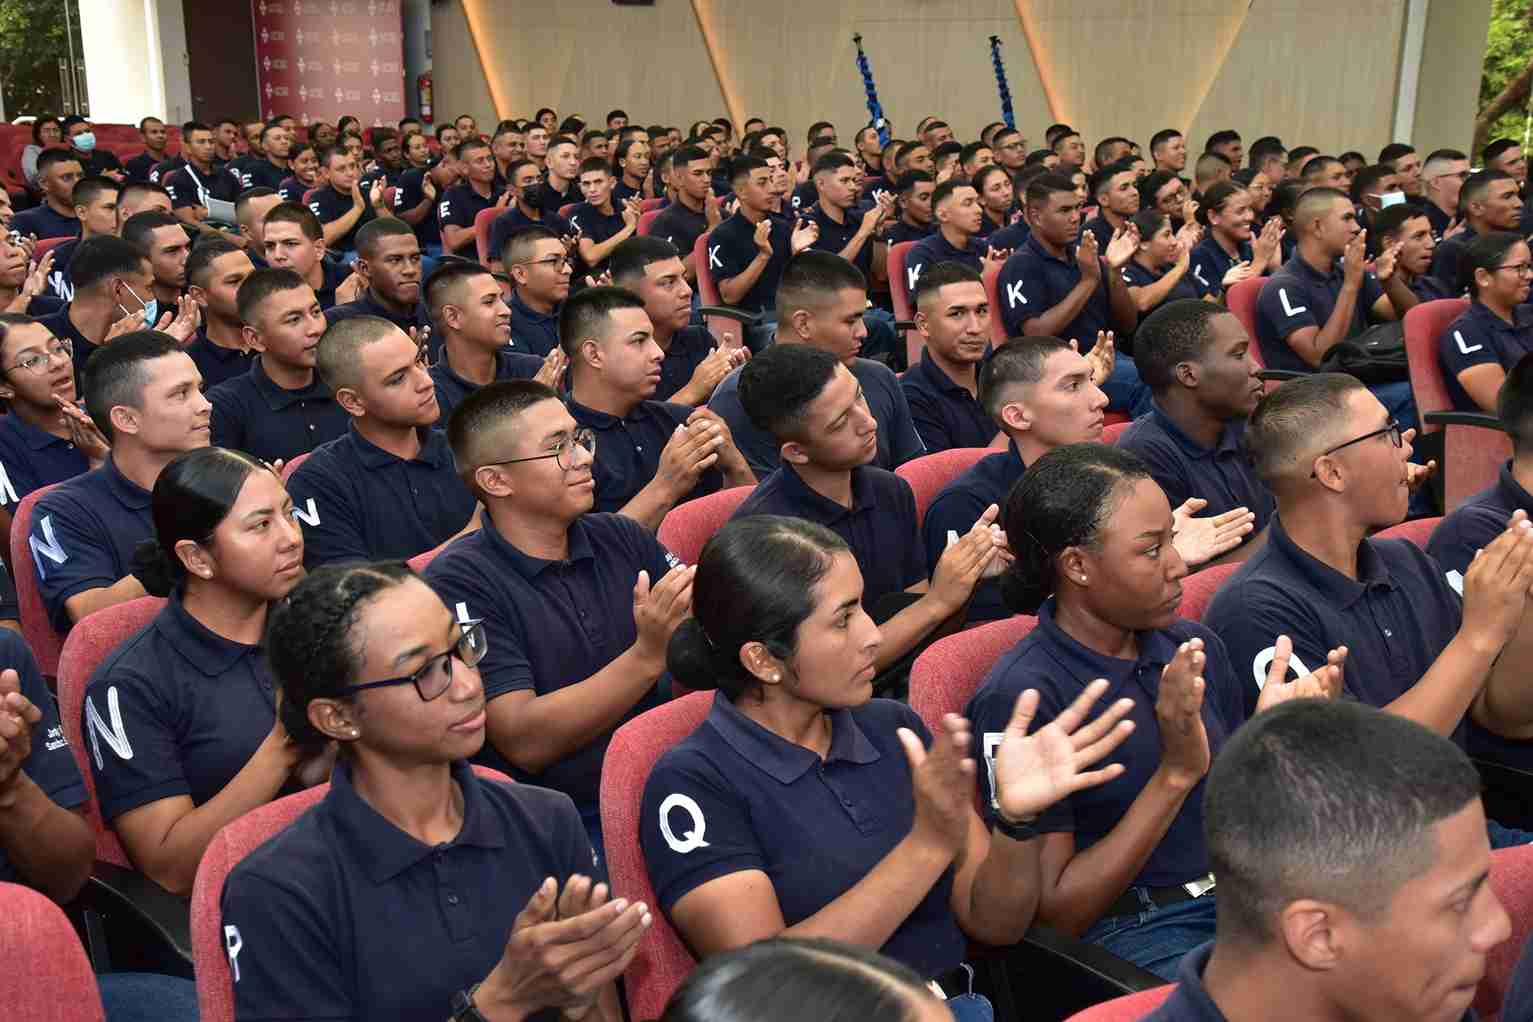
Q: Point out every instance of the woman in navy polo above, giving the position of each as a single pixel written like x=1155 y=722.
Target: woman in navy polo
x=997 y=198
x=803 y=806
x=414 y=889
x=1496 y=331
x=1231 y=250
x=180 y=719
x=1124 y=865
x=1158 y=272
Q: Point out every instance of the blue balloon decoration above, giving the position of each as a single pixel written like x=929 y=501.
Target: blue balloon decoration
x=1000 y=82
x=875 y=110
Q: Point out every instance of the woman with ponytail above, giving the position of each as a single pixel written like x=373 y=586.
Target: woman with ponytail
x=1482 y=345
x=1123 y=865
x=804 y=807
x=414 y=889
x=181 y=718
x=1231 y=250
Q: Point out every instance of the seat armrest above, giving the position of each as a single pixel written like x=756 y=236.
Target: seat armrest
x=1050 y=975
x=728 y=312
x=128 y=901
x=1479 y=419
x=1278 y=375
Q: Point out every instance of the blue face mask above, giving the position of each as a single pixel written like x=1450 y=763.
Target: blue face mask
x=151 y=308
x=85 y=141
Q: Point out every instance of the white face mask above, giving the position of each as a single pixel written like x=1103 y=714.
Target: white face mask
x=1388 y=199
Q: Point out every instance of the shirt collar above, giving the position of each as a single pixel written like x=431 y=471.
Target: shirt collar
x=1033 y=245
x=127 y=492
x=1522 y=318
x=1301 y=268
x=779 y=758
x=603 y=421
x=932 y=372
x=1156 y=648
x=517 y=305
x=35 y=437
x=1511 y=492
x=384 y=850
x=1332 y=584
x=277 y=398
x=862 y=493
x=1228 y=442
x=530 y=567
x=433 y=446
x=1190 y=998
x=210 y=653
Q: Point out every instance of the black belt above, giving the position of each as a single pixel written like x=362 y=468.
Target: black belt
x=1130 y=904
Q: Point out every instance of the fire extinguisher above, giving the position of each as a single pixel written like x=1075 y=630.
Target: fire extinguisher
x=423 y=92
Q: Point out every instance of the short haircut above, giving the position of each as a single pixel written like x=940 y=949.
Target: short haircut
x=1339 y=818
x=1224 y=137
x=816 y=128
x=199 y=264
x=1020 y=361
x=1368 y=179
x=630 y=259
x=243 y=200
x=742 y=167
x=1299 y=154
x=294 y=213
x=88 y=189
x=1210 y=163
x=471 y=429
x=48 y=157
x=518 y=247
x=145 y=122
x=261 y=285
x=274 y=125
x=1316 y=165
x=559 y=140
x=1514 y=405
x=1288 y=419
x=1037 y=156
x=340 y=347
x=1497 y=149
x=469 y=144
x=972 y=150
x=586 y=312
x=813 y=278
x=617 y=113
x=1103 y=177
x=372 y=234
x=910 y=179
x=777 y=387
x=1316 y=202
x=1265 y=148
x=833 y=161
x=1163 y=136
x=939 y=276
x=1104 y=148
x=1388 y=222
x=104 y=256
x=139 y=228
x=446 y=278
x=1054 y=132
x=945 y=190
x=1478 y=185
x=592 y=135
x=594 y=164
x=134 y=189
x=1179 y=331
x=115 y=374
x=1041 y=188
x=1394 y=151
x=1062 y=137
x=687 y=154
x=1437 y=161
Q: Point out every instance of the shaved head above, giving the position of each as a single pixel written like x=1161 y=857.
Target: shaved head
x=339 y=358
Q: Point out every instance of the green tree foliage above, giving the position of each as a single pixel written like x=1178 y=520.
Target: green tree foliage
x=1508 y=72
x=31 y=42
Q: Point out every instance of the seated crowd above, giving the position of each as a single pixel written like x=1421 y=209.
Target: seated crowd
x=391 y=425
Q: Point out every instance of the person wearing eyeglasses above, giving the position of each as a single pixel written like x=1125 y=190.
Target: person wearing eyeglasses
x=1496 y=331
x=1443 y=176
x=387 y=488
x=181 y=718
x=1336 y=462
x=414 y=889
x=540 y=268
x=578 y=606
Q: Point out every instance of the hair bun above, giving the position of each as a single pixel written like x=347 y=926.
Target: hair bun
x=691 y=657
x=153 y=569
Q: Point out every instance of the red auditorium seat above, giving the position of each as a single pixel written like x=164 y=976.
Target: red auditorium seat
x=1511 y=877
x=483 y=221
x=686 y=527
x=1199 y=587
x=901 y=297
x=1418 y=531
x=1126 y=1009
x=948 y=672
x=647 y=218
x=47 y=977
x=35 y=627
x=991 y=277
x=716 y=314
x=1113 y=430
x=929 y=474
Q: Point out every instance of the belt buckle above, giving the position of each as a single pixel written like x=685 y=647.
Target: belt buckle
x=1199 y=887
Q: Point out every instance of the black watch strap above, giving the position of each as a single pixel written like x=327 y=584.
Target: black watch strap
x=463 y=1009
x=1024 y=830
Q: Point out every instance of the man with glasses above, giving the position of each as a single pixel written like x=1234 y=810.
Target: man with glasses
x=388 y=489
x=540 y=268
x=578 y=607
x=1336 y=461
x=1443 y=176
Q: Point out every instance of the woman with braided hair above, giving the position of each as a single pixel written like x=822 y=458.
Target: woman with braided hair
x=181 y=719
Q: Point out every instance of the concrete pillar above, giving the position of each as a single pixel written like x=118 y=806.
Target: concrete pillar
x=135 y=60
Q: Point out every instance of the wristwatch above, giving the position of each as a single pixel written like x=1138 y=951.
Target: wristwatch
x=463 y=1009
x=1024 y=829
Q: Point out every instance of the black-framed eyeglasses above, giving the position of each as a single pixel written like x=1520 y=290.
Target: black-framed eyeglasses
x=1521 y=269
x=60 y=348
x=435 y=676
x=584 y=437
x=1392 y=428
x=555 y=263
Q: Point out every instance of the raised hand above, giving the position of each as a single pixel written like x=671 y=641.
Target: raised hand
x=1032 y=772
x=187 y=318
x=1497 y=581
x=965 y=562
x=1086 y=257
x=1323 y=683
x=551 y=373
x=350 y=289
x=1356 y=259
x=942 y=779
x=1200 y=540
x=658 y=610
x=1101 y=357
x=805 y=234
x=1268 y=244
x=1124 y=243
x=83 y=432
x=37 y=277
x=375 y=193
x=763 y=237
x=1384 y=265
x=17 y=719
x=1240 y=271
x=1179 y=712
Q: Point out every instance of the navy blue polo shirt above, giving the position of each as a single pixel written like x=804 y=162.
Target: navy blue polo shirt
x=260 y=172
x=1395 y=619
x=1209 y=262
x=31 y=458
x=1480 y=337
x=60 y=326
x=1099 y=227
x=732 y=247
x=1011 y=237
x=531 y=329
x=60 y=282
x=342 y=915
x=1033 y=281
x=1060 y=668
x=330 y=205
x=215 y=362
x=335 y=274
x=451 y=388
x=1428 y=288
x=41 y=220
x=175 y=163
x=254 y=415
x=1437 y=218
x=50 y=764
x=1448 y=254
x=175 y=710
x=680 y=226
x=83 y=536
x=880 y=526
x=901 y=232
x=513 y=220
x=621 y=191
x=1184 y=468
x=946 y=415
x=1518 y=1005
x=1466 y=530
x=594 y=225
x=417 y=319
x=459 y=206
x=1135 y=275
x=411 y=192
x=815 y=828
x=1299 y=296
x=139 y=167
x=833 y=237
x=358 y=502
x=898 y=441
x=689 y=346
x=628 y=450
x=553 y=200
x=292 y=190
x=189 y=187
x=958 y=506
x=551 y=624
x=934 y=249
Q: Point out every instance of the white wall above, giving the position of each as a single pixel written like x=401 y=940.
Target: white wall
x=135 y=60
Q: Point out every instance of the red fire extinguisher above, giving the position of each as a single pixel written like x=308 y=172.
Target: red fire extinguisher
x=423 y=92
